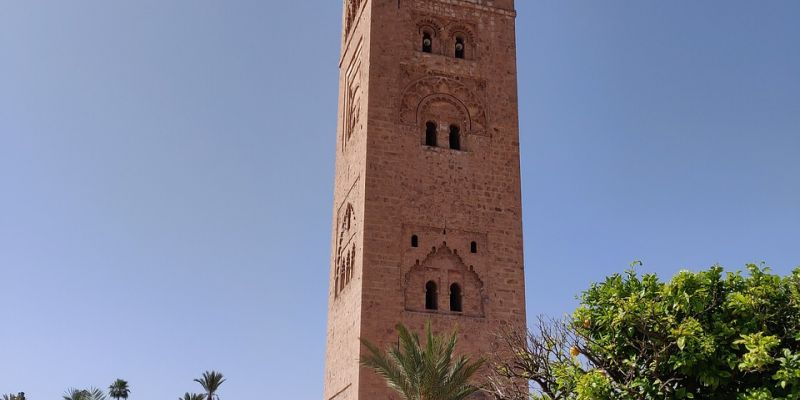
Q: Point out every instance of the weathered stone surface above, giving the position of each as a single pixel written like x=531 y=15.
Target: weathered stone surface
x=391 y=186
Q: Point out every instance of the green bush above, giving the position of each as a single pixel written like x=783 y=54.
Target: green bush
x=702 y=335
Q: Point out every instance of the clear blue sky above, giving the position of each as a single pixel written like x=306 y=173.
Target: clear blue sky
x=166 y=173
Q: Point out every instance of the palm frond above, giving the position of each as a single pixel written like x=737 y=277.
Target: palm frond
x=429 y=372
x=75 y=394
x=192 y=396
x=388 y=369
x=84 y=394
x=95 y=394
x=211 y=381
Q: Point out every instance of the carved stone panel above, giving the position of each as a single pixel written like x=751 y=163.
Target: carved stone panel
x=353 y=120
x=444 y=268
x=346 y=249
x=353 y=7
x=436 y=91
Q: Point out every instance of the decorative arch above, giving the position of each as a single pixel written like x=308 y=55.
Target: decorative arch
x=423 y=92
x=353 y=7
x=466 y=33
x=431 y=29
x=445 y=268
x=425 y=105
x=354 y=109
x=428 y=35
x=431 y=25
x=348 y=218
x=461 y=30
x=345 y=249
x=352 y=120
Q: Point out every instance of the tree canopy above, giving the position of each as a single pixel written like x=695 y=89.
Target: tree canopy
x=702 y=335
x=119 y=390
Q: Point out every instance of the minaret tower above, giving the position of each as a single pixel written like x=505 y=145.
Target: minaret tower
x=427 y=216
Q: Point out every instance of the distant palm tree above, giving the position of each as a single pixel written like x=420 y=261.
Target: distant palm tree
x=84 y=394
x=119 y=389
x=423 y=373
x=10 y=397
x=192 y=396
x=211 y=382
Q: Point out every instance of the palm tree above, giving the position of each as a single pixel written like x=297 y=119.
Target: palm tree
x=75 y=394
x=10 y=397
x=211 y=382
x=192 y=396
x=84 y=394
x=119 y=389
x=423 y=373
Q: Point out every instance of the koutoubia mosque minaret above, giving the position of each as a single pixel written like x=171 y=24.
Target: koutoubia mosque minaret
x=427 y=214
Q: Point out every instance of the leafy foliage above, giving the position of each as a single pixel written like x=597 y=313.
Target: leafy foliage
x=703 y=335
x=429 y=372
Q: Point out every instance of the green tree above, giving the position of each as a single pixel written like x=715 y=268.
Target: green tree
x=702 y=335
x=429 y=372
x=18 y=396
x=119 y=389
x=84 y=394
x=211 y=381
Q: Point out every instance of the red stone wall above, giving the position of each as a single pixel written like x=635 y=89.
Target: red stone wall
x=399 y=187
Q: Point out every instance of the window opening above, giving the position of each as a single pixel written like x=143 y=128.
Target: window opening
x=455 y=138
x=430 y=296
x=427 y=43
x=459 y=47
x=430 y=134
x=455 y=298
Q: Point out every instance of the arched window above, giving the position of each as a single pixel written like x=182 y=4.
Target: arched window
x=431 y=302
x=348 y=218
x=430 y=134
x=351 y=263
x=455 y=138
x=414 y=241
x=347 y=268
x=427 y=43
x=460 y=47
x=473 y=247
x=455 y=298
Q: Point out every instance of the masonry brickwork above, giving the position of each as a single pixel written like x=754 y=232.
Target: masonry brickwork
x=427 y=221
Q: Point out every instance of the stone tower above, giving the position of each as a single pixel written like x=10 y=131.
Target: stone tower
x=427 y=221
